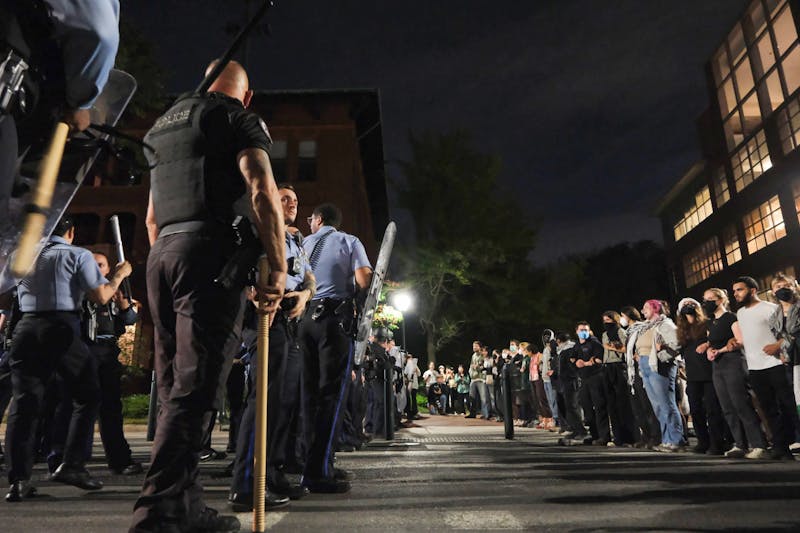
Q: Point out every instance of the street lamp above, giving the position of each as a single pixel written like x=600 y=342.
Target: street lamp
x=403 y=301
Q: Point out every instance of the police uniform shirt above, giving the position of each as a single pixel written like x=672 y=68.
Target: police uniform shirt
x=342 y=254
x=298 y=263
x=62 y=275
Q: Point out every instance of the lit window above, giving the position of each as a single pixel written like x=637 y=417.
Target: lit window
x=699 y=211
x=757 y=19
x=721 y=191
x=791 y=70
x=702 y=262
x=785 y=30
x=744 y=78
x=751 y=161
x=730 y=241
x=720 y=64
x=736 y=44
x=764 y=225
x=773 y=6
x=789 y=126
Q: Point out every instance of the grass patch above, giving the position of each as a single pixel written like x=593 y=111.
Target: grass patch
x=135 y=407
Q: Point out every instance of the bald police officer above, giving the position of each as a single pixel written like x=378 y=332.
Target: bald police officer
x=47 y=340
x=343 y=270
x=211 y=152
x=284 y=377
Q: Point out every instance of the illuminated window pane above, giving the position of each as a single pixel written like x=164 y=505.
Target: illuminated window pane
x=698 y=211
x=796 y=191
x=757 y=18
x=773 y=6
x=785 y=31
x=751 y=114
x=721 y=192
x=702 y=262
x=733 y=131
x=764 y=225
x=730 y=241
x=788 y=123
x=750 y=161
x=774 y=89
x=736 y=43
x=744 y=78
x=727 y=98
x=791 y=70
x=765 y=52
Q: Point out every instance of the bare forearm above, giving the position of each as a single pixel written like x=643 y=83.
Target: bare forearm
x=266 y=205
x=150 y=221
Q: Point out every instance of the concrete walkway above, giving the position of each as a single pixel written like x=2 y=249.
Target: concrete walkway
x=451 y=473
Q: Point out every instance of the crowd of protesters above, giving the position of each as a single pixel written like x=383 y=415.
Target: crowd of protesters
x=652 y=379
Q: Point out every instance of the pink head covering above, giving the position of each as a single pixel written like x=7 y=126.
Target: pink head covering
x=656 y=306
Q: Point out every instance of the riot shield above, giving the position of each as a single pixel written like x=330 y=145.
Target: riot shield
x=378 y=276
x=75 y=165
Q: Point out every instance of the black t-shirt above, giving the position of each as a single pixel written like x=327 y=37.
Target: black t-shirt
x=698 y=367
x=589 y=350
x=719 y=330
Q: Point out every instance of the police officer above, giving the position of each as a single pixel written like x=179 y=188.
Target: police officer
x=284 y=378
x=47 y=340
x=211 y=152
x=53 y=54
x=342 y=269
x=103 y=325
x=377 y=360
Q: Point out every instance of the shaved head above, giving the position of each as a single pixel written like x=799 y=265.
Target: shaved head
x=232 y=81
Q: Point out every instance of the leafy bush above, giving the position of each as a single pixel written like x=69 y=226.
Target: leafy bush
x=135 y=406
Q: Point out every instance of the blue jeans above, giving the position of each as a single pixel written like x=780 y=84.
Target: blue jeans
x=661 y=392
x=551 y=399
x=480 y=389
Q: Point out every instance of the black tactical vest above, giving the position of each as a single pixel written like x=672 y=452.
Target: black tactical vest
x=197 y=177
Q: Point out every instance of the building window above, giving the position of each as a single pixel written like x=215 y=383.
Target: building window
x=756 y=69
x=796 y=191
x=277 y=157
x=765 y=282
x=764 y=225
x=702 y=262
x=721 y=191
x=699 y=211
x=751 y=161
x=789 y=125
x=730 y=241
x=307 y=161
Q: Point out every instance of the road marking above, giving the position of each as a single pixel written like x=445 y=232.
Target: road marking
x=482 y=520
x=271 y=518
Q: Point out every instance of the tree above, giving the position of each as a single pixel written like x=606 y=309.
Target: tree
x=470 y=241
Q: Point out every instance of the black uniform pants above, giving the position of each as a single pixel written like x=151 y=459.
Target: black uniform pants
x=620 y=410
x=279 y=389
x=328 y=353
x=8 y=162
x=197 y=333
x=45 y=344
x=643 y=412
x=109 y=373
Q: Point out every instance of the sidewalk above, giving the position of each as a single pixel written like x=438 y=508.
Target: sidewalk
x=451 y=473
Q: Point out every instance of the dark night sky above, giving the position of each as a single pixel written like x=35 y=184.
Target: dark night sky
x=591 y=104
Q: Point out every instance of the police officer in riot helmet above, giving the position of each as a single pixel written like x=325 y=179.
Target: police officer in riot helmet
x=211 y=152
x=54 y=55
x=376 y=361
x=47 y=340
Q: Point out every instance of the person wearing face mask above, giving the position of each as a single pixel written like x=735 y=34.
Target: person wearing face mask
x=568 y=375
x=764 y=362
x=729 y=373
x=785 y=325
x=615 y=380
x=657 y=346
x=589 y=362
x=550 y=379
x=709 y=426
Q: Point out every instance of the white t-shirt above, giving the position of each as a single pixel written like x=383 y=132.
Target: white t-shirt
x=754 y=323
x=430 y=377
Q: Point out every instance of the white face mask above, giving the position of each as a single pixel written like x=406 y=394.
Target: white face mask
x=623 y=322
x=512 y=349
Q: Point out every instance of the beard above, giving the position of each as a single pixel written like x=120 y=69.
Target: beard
x=747 y=299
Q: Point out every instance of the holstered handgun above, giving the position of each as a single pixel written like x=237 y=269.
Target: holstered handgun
x=247 y=249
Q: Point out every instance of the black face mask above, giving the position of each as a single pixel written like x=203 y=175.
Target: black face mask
x=610 y=328
x=710 y=307
x=785 y=294
x=690 y=310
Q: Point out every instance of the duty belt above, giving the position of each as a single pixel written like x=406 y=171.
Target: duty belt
x=190 y=226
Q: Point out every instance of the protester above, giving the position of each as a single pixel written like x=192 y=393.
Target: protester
x=615 y=378
x=646 y=420
x=462 y=390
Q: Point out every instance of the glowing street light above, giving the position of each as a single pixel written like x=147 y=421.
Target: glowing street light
x=403 y=301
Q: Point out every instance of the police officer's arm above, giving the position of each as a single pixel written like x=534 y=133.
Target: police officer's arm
x=266 y=204
x=150 y=221
x=304 y=295
x=103 y=293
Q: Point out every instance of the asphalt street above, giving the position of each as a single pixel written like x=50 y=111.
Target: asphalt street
x=448 y=473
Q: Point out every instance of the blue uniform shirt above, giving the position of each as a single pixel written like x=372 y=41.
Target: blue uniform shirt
x=297 y=257
x=342 y=254
x=62 y=275
x=89 y=32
